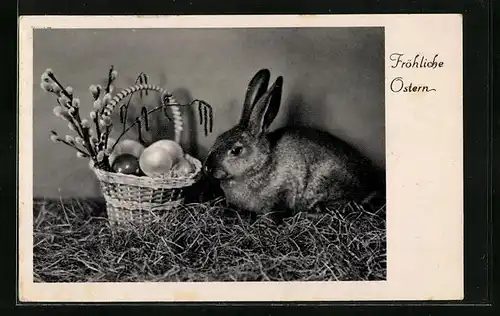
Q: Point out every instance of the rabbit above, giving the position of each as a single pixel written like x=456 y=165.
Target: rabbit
x=291 y=169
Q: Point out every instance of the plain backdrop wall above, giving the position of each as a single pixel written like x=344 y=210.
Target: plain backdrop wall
x=333 y=79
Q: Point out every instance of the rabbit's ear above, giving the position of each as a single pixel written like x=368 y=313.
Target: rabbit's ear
x=266 y=109
x=256 y=88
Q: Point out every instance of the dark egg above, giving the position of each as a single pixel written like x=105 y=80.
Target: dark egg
x=126 y=164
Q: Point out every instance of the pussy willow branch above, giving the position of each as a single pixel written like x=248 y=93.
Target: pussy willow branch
x=137 y=121
x=71 y=119
x=96 y=122
x=110 y=79
x=139 y=131
x=74 y=146
x=146 y=114
x=106 y=90
x=69 y=96
x=137 y=80
x=205 y=112
x=97 y=128
x=108 y=129
x=70 y=108
x=76 y=116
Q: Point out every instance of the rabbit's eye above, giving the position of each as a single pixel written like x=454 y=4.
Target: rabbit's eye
x=235 y=151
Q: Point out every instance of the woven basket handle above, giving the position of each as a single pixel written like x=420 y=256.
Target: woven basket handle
x=165 y=95
x=178 y=122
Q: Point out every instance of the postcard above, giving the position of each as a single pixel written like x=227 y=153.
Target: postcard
x=240 y=158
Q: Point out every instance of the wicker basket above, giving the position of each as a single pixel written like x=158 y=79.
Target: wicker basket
x=138 y=199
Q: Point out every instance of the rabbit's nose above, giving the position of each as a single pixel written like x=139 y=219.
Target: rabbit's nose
x=207 y=169
x=208 y=165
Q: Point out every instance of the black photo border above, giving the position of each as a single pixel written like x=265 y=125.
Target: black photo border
x=479 y=173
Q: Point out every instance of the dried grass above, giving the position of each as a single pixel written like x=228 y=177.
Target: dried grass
x=207 y=242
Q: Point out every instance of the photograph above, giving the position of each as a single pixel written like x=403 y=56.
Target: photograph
x=209 y=155
x=240 y=158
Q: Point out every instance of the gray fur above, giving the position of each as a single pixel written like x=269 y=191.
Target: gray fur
x=290 y=169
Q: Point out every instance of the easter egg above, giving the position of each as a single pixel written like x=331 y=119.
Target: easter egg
x=126 y=146
x=174 y=149
x=155 y=161
x=183 y=168
x=127 y=164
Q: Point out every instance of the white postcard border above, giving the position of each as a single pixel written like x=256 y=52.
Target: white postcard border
x=424 y=169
